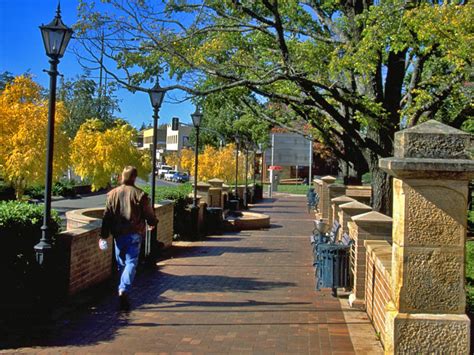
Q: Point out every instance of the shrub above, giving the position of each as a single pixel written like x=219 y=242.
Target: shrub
x=6 y=192
x=470 y=276
x=64 y=188
x=20 y=231
x=179 y=195
x=35 y=191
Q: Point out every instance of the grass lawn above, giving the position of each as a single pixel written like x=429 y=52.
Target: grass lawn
x=470 y=276
x=291 y=189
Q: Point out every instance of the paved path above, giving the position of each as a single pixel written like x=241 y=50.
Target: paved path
x=249 y=292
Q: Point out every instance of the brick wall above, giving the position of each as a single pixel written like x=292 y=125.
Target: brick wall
x=368 y=226
x=378 y=281
x=83 y=263
x=164 y=213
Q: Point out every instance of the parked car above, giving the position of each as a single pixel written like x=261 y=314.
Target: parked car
x=180 y=177
x=163 y=170
x=169 y=175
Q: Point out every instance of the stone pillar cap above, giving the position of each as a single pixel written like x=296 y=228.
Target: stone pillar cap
x=203 y=184
x=431 y=150
x=342 y=199
x=355 y=207
x=328 y=179
x=372 y=217
x=215 y=180
x=432 y=139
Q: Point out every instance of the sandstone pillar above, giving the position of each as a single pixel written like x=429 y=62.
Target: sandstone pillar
x=203 y=190
x=335 y=203
x=367 y=226
x=324 y=196
x=214 y=197
x=317 y=184
x=347 y=211
x=431 y=170
x=335 y=190
x=216 y=182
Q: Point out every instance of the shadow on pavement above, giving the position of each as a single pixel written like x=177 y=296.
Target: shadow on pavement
x=99 y=320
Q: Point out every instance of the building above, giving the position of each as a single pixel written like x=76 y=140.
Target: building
x=148 y=138
x=168 y=140
x=179 y=139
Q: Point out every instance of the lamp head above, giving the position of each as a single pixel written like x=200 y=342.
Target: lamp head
x=157 y=94
x=197 y=117
x=56 y=36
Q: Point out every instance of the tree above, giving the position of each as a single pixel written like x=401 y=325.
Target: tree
x=213 y=163
x=100 y=154
x=357 y=71
x=5 y=78
x=23 y=122
x=84 y=100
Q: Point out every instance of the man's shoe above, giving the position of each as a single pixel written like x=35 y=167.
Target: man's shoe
x=124 y=303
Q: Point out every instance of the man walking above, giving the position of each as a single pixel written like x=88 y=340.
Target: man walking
x=126 y=211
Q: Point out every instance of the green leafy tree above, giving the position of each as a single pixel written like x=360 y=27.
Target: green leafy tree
x=5 y=78
x=356 y=71
x=84 y=100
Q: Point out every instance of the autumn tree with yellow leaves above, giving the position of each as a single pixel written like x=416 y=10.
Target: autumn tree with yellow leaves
x=100 y=154
x=23 y=122
x=214 y=163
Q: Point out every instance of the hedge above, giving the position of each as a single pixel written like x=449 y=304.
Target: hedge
x=20 y=231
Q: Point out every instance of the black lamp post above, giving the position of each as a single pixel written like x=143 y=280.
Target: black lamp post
x=157 y=94
x=56 y=36
x=196 y=117
x=262 y=162
x=246 y=172
x=237 y=141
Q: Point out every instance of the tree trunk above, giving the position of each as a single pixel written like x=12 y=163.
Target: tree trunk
x=381 y=182
x=381 y=191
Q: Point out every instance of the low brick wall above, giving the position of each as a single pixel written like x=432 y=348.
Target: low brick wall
x=378 y=281
x=163 y=211
x=82 y=263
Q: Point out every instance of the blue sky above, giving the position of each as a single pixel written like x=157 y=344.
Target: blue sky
x=21 y=50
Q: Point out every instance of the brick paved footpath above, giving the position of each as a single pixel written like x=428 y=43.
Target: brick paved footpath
x=250 y=292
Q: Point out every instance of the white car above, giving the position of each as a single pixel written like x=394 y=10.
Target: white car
x=163 y=170
x=169 y=175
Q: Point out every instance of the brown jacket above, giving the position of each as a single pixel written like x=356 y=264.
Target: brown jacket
x=126 y=211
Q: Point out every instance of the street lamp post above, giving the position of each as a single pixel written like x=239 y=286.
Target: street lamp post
x=246 y=173
x=237 y=141
x=262 y=162
x=157 y=94
x=196 y=117
x=56 y=36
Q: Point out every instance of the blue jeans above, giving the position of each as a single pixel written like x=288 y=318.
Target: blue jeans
x=127 y=251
